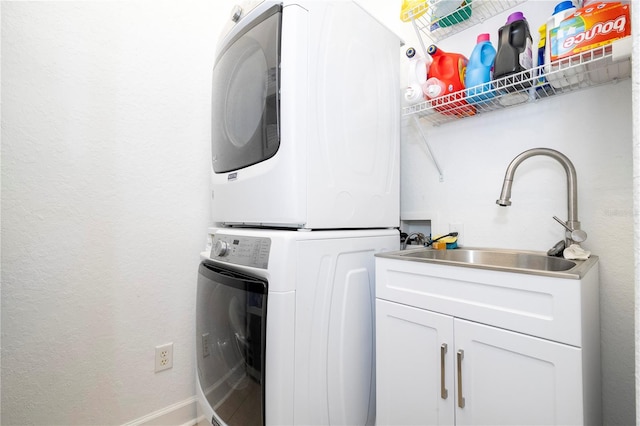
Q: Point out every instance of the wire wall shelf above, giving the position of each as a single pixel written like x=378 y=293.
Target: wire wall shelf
x=606 y=64
x=439 y=19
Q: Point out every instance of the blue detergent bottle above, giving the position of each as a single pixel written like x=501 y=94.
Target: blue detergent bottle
x=480 y=71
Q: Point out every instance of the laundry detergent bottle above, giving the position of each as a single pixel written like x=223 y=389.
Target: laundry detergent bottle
x=514 y=60
x=447 y=71
x=515 y=52
x=416 y=76
x=480 y=71
x=566 y=74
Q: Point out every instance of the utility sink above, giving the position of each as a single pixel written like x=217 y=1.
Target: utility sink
x=528 y=262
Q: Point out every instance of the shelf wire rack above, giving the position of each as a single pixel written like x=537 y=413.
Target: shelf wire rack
x=591 y=68
x=439 y=19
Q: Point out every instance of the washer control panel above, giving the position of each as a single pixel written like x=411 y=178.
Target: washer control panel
x=241 y=250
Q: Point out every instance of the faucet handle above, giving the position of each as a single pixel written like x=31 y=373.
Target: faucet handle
x=557 y=249
x=577 y=235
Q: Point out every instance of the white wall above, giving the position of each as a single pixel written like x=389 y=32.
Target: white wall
x=105 y=161
x=635 y=17
x=105 y=132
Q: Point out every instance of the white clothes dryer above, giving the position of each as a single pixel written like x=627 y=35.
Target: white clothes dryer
x=285 y=326
x=306 y=119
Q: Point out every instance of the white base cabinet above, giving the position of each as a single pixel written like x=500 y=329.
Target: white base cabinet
x=414 y=376
x=438 y=368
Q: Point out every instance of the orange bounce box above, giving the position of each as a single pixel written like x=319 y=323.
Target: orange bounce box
x=595 y=25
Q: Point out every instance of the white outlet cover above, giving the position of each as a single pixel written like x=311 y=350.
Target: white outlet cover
x=164 y=357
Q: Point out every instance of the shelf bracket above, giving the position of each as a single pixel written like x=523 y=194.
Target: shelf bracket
x=426 y=142
x=415 y=27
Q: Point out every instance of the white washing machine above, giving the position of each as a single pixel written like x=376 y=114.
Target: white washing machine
x=285 y=326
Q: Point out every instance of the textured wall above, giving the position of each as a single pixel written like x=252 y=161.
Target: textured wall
x=635 y=93
x=105 y=153
x=105 y=131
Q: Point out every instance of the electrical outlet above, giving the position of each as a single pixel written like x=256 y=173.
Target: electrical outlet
x=164 y=357
x=205 y=345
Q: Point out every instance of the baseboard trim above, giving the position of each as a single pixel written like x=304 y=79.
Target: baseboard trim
x=183 y=413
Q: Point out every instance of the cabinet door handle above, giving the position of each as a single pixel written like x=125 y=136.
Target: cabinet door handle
x=444 y=393
x=460 y=397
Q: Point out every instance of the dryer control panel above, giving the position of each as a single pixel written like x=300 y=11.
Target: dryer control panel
x=241 y=250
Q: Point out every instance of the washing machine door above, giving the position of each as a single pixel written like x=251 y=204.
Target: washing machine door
x=230 y=334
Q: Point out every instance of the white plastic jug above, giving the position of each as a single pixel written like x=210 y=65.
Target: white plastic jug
x=565 y=72
x=416 y=76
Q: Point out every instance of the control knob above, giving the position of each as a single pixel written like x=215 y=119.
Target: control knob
x=221 y=248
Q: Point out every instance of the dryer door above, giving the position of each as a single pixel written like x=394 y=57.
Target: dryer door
x=245 y=98
x=230 y=335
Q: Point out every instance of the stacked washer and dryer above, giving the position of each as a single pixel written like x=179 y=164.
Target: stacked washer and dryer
x=305 y=190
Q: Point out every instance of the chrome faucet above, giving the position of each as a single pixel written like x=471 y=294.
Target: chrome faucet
x=573 y=233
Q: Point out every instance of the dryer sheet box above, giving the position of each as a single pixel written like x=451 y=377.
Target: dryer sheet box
x=590 y=27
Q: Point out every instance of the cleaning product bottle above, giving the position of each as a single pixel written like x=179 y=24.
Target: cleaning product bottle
x=542 y=44
x=480 y=71
x=448 y=70
x=564 y=73
x=514 y=58
x=416 y=76
x=450 y=12
x=412 y=9
x=434 y=88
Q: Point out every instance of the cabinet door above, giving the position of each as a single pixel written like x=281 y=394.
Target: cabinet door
x=414 y=371
x=510 y=378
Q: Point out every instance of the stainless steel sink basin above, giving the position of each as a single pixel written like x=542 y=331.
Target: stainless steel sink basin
x=529 y=262
x=498 y=258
